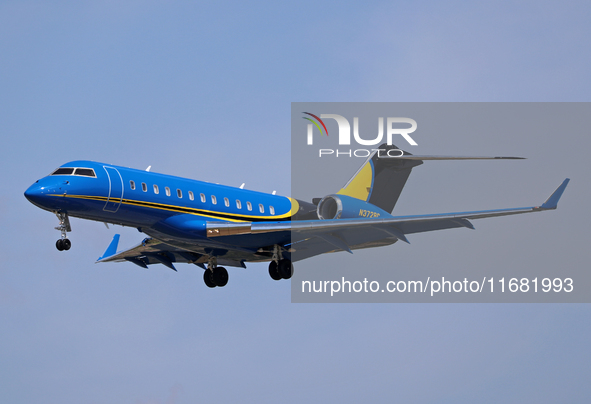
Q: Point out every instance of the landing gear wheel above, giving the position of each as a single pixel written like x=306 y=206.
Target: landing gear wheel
x=285 y=268
x=208 y=279
x=220 y=276
x=66 y=243
x=60 y=245
x=273 y=271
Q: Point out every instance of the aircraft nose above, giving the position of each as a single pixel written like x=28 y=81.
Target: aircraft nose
x=35 y=193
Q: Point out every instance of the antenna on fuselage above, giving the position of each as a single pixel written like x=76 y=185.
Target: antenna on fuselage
x=148 y=169
x=242 y=186
x=274 y=192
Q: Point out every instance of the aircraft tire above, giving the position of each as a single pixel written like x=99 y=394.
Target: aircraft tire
x=220 y=276
x=207 y=278
x=285 y=268
x=59 y=245
x=66 y=244
x=274 y=271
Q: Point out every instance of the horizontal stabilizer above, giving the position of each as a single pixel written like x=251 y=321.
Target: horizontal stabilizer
x=415 y=157
x=380 y=180
x=552 y=202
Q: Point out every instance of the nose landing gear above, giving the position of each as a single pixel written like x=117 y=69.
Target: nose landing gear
x=63 y=243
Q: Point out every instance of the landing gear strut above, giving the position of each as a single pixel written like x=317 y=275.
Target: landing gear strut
x=279 y=267
x=214 y=275
x=63 y=243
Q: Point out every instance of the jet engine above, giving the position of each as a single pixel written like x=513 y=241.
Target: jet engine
x=345 y=207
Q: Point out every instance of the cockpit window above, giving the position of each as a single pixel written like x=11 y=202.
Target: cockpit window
x=84 y=172
x=87 y=172
x=63 y=171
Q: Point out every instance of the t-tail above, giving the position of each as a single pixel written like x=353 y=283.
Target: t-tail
x=382 y=177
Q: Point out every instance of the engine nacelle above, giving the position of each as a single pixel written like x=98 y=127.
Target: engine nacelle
x=346 y=207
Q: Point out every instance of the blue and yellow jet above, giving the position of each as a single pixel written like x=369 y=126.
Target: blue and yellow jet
x=211 y=225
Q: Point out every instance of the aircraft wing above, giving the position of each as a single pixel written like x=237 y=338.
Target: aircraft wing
x=153 y=251
x=313 y=237
x=233 y=243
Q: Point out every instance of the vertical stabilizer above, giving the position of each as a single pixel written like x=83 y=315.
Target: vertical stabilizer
x=380 y=179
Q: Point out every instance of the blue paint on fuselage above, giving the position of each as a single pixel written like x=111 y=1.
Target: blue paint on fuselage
x=111 y=199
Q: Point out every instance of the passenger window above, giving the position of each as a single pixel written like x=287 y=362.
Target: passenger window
x=248 y=205
x=132 y=185
x=238 y=204
x=167 y=191
x=202 y=196
x=191 y=197
x=87 y=172
x=144 y=187
x=179 y=193
x=272 y=210
x=226 y=202
x=214 y=200
x=156 y=190
x=261 y=208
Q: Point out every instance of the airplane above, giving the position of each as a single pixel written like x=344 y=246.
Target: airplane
x=211 y=225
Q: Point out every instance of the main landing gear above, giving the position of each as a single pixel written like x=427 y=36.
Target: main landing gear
x=279 y=267
x=214 y=275
x=63 y=243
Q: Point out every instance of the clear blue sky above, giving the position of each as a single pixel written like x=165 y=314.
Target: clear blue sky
x=203 y=90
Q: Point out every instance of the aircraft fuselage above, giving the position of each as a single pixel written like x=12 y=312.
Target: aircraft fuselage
x=137 y=198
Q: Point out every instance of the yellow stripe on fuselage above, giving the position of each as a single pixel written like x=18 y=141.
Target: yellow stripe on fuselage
x=194 y=211
x=295 y=207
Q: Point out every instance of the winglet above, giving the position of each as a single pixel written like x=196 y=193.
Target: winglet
x=552 y=202
x=112 y=248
